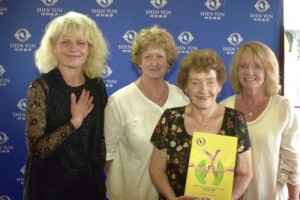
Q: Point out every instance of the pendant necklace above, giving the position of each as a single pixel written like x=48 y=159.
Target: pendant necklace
x=206 y=126
x=153 y=98
x=251 y=113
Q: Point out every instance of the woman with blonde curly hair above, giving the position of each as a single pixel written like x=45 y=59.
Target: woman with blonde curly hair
x=65 y=113
x=132 y=112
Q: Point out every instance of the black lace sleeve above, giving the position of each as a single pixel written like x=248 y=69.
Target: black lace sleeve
x=39 y=143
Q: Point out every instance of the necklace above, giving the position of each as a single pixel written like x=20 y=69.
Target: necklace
x=153 y=98
x=254 y=110
x=206 y=125
x=252 y=113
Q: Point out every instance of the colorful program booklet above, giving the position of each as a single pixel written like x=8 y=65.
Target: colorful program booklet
x=211 y=166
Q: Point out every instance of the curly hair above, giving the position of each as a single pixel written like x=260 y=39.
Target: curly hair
x=153 y=37
x=263 y=57
x=201 y=60
x=81 y=27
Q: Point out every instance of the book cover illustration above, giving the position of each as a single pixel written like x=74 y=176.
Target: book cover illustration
x=211 y=166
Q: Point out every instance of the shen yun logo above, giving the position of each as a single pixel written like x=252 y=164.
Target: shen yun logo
x=262 y=6
x=22 y=35
x=3 y=138
x=2 y=70
x=158 y=3
x=213 y=4
x=104 y=11
x=129 y=36
x=185 y=37
x=158 y=12
x=49 y=2
x=3 y=81
x=4 y=148
x=106 y=71
x=109 y=83
x=235 y=39
x=22 y=104
x=262 y=16
x=104 y=3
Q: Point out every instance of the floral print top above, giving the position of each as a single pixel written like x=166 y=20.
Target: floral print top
x=171 y=135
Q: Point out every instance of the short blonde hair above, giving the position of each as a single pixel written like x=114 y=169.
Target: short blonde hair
x=78 y=26
x=201 y=60
x=265 y=58
x=153 y=37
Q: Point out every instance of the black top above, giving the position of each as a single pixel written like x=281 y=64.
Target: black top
x=64 y=163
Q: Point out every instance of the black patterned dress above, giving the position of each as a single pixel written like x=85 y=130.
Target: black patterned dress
x=171 y=135
x=63 y=163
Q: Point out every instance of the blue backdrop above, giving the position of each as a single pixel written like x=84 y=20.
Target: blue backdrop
x=217 y=24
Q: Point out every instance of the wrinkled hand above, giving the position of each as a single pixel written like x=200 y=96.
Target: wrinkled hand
x=81 y=108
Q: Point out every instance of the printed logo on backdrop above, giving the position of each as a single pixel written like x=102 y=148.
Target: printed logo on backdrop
x=21 y=105
x=49 y=2
x=234 y=39
x=22 y=35
x=262 y=6
x=104 y=11
x=261 y=15
x=213 y=4
x=4 y=147
x=185 y=38
x=3 y=81
x=2 y=70
x=3 y=10
x=128 y=38
x=5 y=197
x=158 y=12
x=158 y=3
x=213 y=14
x=107 y=71
x=20 y=179
x=49 y=10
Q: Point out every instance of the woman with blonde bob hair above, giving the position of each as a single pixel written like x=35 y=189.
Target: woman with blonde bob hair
x=266 y=59
x=272 y=123
x=65 y=113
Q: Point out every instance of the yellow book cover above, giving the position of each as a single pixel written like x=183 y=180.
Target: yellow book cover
x=211 y=166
